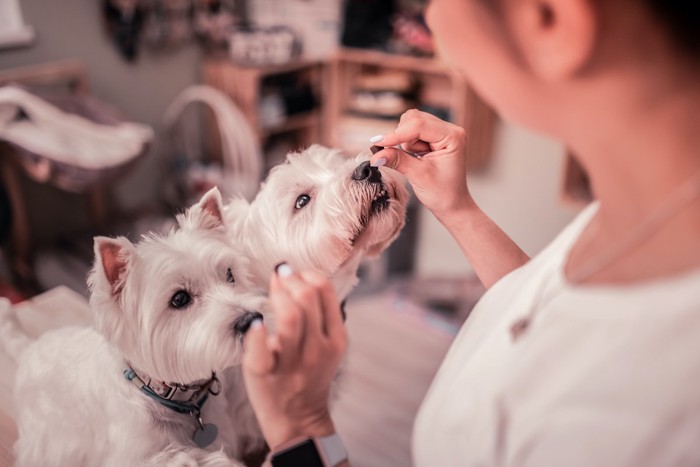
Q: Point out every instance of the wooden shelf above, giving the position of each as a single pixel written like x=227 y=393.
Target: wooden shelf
x=267 y=70
x=387 y=60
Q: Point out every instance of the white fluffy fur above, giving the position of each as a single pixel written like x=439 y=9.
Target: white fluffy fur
x=333 y=233
x=74 y=406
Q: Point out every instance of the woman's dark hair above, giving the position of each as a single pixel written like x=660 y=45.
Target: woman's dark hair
x=682 y=20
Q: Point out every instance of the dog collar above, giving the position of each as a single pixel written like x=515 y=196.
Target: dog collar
x=181 y=398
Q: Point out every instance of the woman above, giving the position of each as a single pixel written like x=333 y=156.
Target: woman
x=588 y=354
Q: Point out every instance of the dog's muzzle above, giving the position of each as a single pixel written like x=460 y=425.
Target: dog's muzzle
x=242 y=323
x=368 y=174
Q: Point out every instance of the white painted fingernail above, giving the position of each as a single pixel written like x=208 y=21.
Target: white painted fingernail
x=257 y=323
x=284 y=270
x=376 y=139
x=379 y=162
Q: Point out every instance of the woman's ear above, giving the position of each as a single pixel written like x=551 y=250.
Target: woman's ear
x=556 y=38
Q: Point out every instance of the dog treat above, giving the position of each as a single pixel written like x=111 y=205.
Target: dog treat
x=375 y=149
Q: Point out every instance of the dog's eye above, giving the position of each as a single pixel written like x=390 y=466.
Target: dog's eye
x=180 y=299
x=229 y=276
x=302 y=201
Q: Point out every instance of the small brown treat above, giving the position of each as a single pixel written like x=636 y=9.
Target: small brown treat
x=375 y=149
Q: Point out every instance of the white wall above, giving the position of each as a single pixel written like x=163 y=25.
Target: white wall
x=519 y=190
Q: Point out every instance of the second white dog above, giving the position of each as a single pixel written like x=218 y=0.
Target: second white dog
x=320 y=210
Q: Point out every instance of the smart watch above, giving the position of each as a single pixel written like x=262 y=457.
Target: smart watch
x=325 y=451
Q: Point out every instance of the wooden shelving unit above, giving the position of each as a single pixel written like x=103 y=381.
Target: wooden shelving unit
x=332 y=83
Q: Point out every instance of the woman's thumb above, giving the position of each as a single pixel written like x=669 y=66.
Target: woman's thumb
x=257 y=357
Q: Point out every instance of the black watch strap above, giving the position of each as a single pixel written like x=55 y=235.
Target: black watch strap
x=326 y=451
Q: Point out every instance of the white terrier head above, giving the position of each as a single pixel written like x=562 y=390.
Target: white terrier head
x=320 y=210
x=175 y=306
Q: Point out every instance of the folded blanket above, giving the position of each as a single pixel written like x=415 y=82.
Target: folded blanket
x=35 y=125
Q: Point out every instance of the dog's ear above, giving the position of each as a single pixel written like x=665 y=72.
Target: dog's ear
x=212 y=205
x=111 y=259
x=208 y=214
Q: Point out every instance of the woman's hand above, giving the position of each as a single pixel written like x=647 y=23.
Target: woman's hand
x=288 y=374
x=439 y=178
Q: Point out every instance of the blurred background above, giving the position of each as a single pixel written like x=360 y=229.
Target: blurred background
x=300 y=71
x=114 y=114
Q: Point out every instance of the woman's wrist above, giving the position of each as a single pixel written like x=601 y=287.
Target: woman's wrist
x=281 y=434
x=465 y=206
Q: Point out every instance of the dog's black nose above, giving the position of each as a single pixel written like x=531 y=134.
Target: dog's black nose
x=364 y=171
x=242 y=323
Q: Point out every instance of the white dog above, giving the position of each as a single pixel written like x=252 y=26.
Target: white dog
x=320 y=210
x=141 y=388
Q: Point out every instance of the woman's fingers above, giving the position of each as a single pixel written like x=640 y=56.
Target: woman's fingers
x=418 y=126
x=332 y=317
x=306 y=298
x=309 y=322
x=259 y=358
x=417 y=146
x=289 y=321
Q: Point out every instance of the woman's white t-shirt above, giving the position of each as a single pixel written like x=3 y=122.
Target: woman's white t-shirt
x=603 y=376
